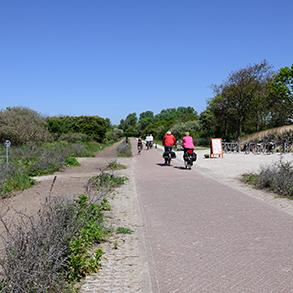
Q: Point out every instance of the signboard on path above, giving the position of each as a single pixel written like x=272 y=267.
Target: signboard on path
x=216 y=147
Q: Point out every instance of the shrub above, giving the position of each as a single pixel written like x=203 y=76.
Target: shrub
x=42 y=252
x=277 y=177
x=106 y=180
x=22 y=125
x=124 y=149
x=71 y=162
x=72 y=137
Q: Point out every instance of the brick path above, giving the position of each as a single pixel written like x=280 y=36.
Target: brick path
x=192 y=234
x=204 y=236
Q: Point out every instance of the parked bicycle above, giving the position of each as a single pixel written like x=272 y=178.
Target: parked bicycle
x=285 y=147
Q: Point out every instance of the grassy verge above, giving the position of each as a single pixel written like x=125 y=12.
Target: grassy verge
x=31 y=160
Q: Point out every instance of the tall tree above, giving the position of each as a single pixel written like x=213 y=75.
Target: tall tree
x=243 y=89
x=146 y=114
x=280 y=97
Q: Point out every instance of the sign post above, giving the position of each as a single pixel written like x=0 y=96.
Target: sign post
x=7 y=145
x=216 y=147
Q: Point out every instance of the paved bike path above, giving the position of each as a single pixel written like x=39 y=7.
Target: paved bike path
x=204 y=236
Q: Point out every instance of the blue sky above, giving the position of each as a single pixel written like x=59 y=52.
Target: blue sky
x=114 y=57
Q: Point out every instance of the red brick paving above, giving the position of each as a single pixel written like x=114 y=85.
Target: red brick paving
x=204 y=236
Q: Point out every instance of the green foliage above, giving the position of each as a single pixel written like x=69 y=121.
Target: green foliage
x=156 y=125
x=107 y=180
x=114 y=134
x=80 y=264
x=180 y=128
x=280 y=98
x=128 y=125
x=146 y=114
x=72 y=137
x=241 y=95
x=122 y=230
x=15 y=182
x=174 y=114
x=71 y=162
x=93 y=127
x=105 y=206
x=22 y=125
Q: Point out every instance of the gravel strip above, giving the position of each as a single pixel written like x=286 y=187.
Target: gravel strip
x=125 y=268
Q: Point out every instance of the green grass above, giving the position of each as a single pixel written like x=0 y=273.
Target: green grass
x=16 y=183
x=122 y=230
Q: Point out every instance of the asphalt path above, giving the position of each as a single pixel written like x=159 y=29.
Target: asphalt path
x=203 y=234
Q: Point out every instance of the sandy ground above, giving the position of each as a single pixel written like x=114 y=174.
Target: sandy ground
x=229 y=169
x=71 y=181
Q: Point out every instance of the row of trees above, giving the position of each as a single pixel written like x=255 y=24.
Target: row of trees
x=251 y=99
x=157 y=125
x=22 y=125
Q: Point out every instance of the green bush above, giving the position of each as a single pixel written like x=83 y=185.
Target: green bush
x=94 y=127
x=107 y=180
x=71 y=162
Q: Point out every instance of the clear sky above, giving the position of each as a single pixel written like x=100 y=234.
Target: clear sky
x=114 y=57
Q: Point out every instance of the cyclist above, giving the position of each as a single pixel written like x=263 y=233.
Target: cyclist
x=139 y=144
x=147 y=141
x=169 y=140
x=151 y=141
x=187 y=142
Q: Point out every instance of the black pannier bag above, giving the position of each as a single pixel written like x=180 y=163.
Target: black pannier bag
x=192 y=156
x=186 y=156
x=166 y=155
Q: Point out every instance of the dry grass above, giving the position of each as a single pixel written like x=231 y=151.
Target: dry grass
x=277 y=134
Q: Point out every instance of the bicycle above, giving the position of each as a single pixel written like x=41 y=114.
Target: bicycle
x=285 y=147
x=270 y=148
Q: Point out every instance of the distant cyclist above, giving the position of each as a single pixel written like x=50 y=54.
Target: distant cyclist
x=151 y=141
x=139 y=144
x=147 y=141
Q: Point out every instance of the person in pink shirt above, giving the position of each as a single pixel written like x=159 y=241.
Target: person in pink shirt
x=187 y=142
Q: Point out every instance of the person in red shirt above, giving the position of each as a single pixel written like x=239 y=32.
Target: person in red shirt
x=169 y=140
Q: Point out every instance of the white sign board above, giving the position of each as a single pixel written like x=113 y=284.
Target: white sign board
x=216 y=147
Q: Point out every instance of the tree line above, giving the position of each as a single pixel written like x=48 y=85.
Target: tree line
x=251 y=99
x=22 y=125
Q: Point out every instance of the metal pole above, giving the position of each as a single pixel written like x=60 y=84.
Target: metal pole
x=7 y=158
